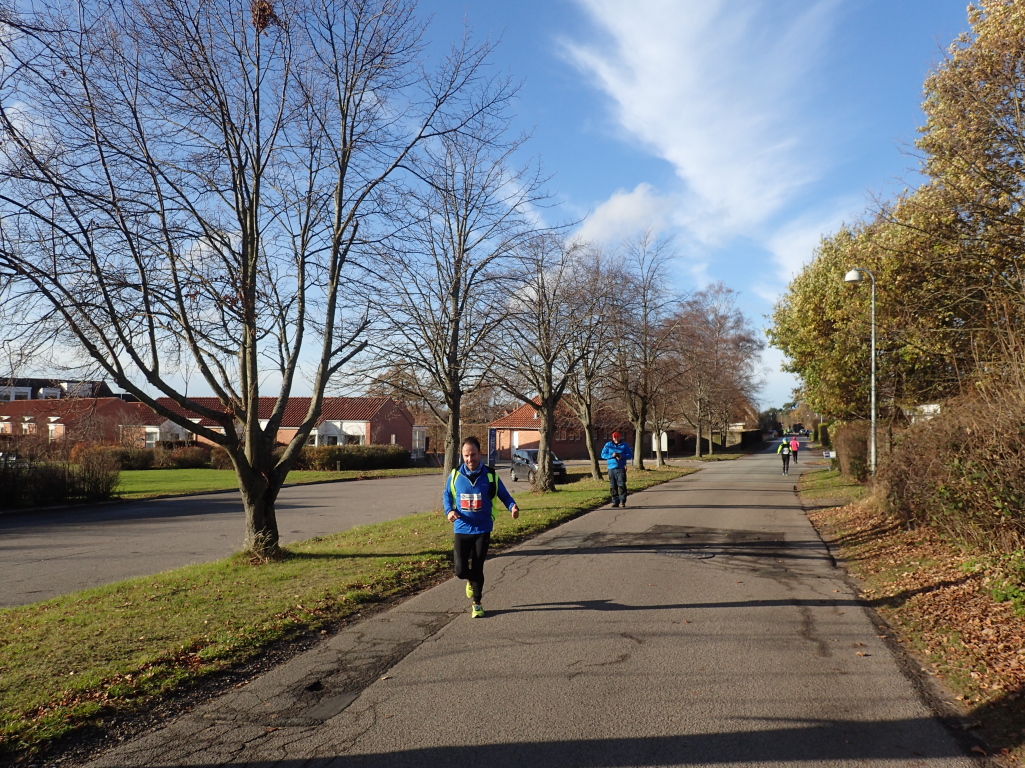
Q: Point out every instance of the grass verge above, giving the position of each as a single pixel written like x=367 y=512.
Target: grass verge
x=948 y=607
x=154 y=483
x=829 y=485
x=67 y=664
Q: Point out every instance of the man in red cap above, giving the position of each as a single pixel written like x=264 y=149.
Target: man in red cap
x=617 y=453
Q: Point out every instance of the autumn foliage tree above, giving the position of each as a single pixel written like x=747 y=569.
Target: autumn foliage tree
x=947 y=256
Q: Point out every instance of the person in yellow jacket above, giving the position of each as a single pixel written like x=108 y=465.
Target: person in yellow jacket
x=784 y=451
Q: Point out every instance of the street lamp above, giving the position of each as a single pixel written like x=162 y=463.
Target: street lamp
x=858 y=276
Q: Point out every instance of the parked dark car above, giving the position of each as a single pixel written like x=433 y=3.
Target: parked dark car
x=524 y=466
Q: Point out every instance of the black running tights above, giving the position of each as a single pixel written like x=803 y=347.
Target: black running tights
x=470 y=551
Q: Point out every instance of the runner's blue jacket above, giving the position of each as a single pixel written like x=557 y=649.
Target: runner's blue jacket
x=474 y=520
x=611 y=449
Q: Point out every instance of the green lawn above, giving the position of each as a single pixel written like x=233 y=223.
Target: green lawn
x=68 y=662
x=151 y=483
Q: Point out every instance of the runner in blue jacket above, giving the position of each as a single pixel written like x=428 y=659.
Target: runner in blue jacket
x=468 y=502
x=617 y=453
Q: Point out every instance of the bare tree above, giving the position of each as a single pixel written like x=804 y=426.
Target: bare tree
x=447 y=282
x=546 y=337
x=184 y=187
x=594 y=276
x=643 y=307
x=721 y=349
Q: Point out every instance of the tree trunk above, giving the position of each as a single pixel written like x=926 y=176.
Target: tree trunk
x=592 y=450
x=639 y=443
x=544 y=481
x=453 y=453
x=697 y=441
x=258 y=496
x=659 y=460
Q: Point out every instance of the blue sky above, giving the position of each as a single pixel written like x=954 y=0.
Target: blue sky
x=743 y=129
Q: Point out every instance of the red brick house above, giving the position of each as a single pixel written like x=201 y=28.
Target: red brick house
x=107 y=420
x=519 y=429
x=343 y=421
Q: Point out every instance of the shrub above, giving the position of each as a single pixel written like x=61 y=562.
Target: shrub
x=97 y=474
x=33 y=483
x=963 y=472
x=133 y=458
x=162 y=459
x=190 y=457
x=75 y=454
x=851 y=442
x=219 y=458
x=356 y=457
x=823 y=434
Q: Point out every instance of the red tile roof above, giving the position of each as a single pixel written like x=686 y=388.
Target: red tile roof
x=333 y=409
x=73 y=409
x=523 y=417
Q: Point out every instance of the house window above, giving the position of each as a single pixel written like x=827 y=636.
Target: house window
x=21 y=395
x=330 y=440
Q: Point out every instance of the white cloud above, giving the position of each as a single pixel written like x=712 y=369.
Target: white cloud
x=779 y=386
x=714 y=88
x=626 y=214
x=793 y=245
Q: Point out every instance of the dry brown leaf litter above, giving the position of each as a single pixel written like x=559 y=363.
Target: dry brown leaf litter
x=936 y=598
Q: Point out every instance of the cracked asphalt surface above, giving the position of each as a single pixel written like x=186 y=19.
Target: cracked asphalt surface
x=705 y=624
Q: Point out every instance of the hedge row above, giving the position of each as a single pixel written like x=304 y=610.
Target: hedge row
x=963 y=472
x=23 y=484
x=186 y=457
x=328 y=458
x=324 y=458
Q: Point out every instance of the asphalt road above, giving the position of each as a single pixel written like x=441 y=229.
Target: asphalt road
x=43 y=555
x=705 y=624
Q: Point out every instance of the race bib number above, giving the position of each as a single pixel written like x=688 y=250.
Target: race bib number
x=471 y=502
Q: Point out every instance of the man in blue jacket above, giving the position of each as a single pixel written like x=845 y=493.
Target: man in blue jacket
x=617 y=453
x=469 y=494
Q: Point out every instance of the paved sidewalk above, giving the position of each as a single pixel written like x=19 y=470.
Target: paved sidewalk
x=703 y=625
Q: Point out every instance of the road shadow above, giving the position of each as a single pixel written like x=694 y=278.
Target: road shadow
x=205 y=505
x=683 y=541
x=798 y=741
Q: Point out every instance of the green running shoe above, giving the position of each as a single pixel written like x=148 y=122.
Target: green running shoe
x=469 y=590
x=476 y=612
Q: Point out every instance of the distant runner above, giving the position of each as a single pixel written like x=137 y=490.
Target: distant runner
x=784 y=451
x=795 y=446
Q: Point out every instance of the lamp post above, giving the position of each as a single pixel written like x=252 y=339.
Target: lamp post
x=858 y=276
